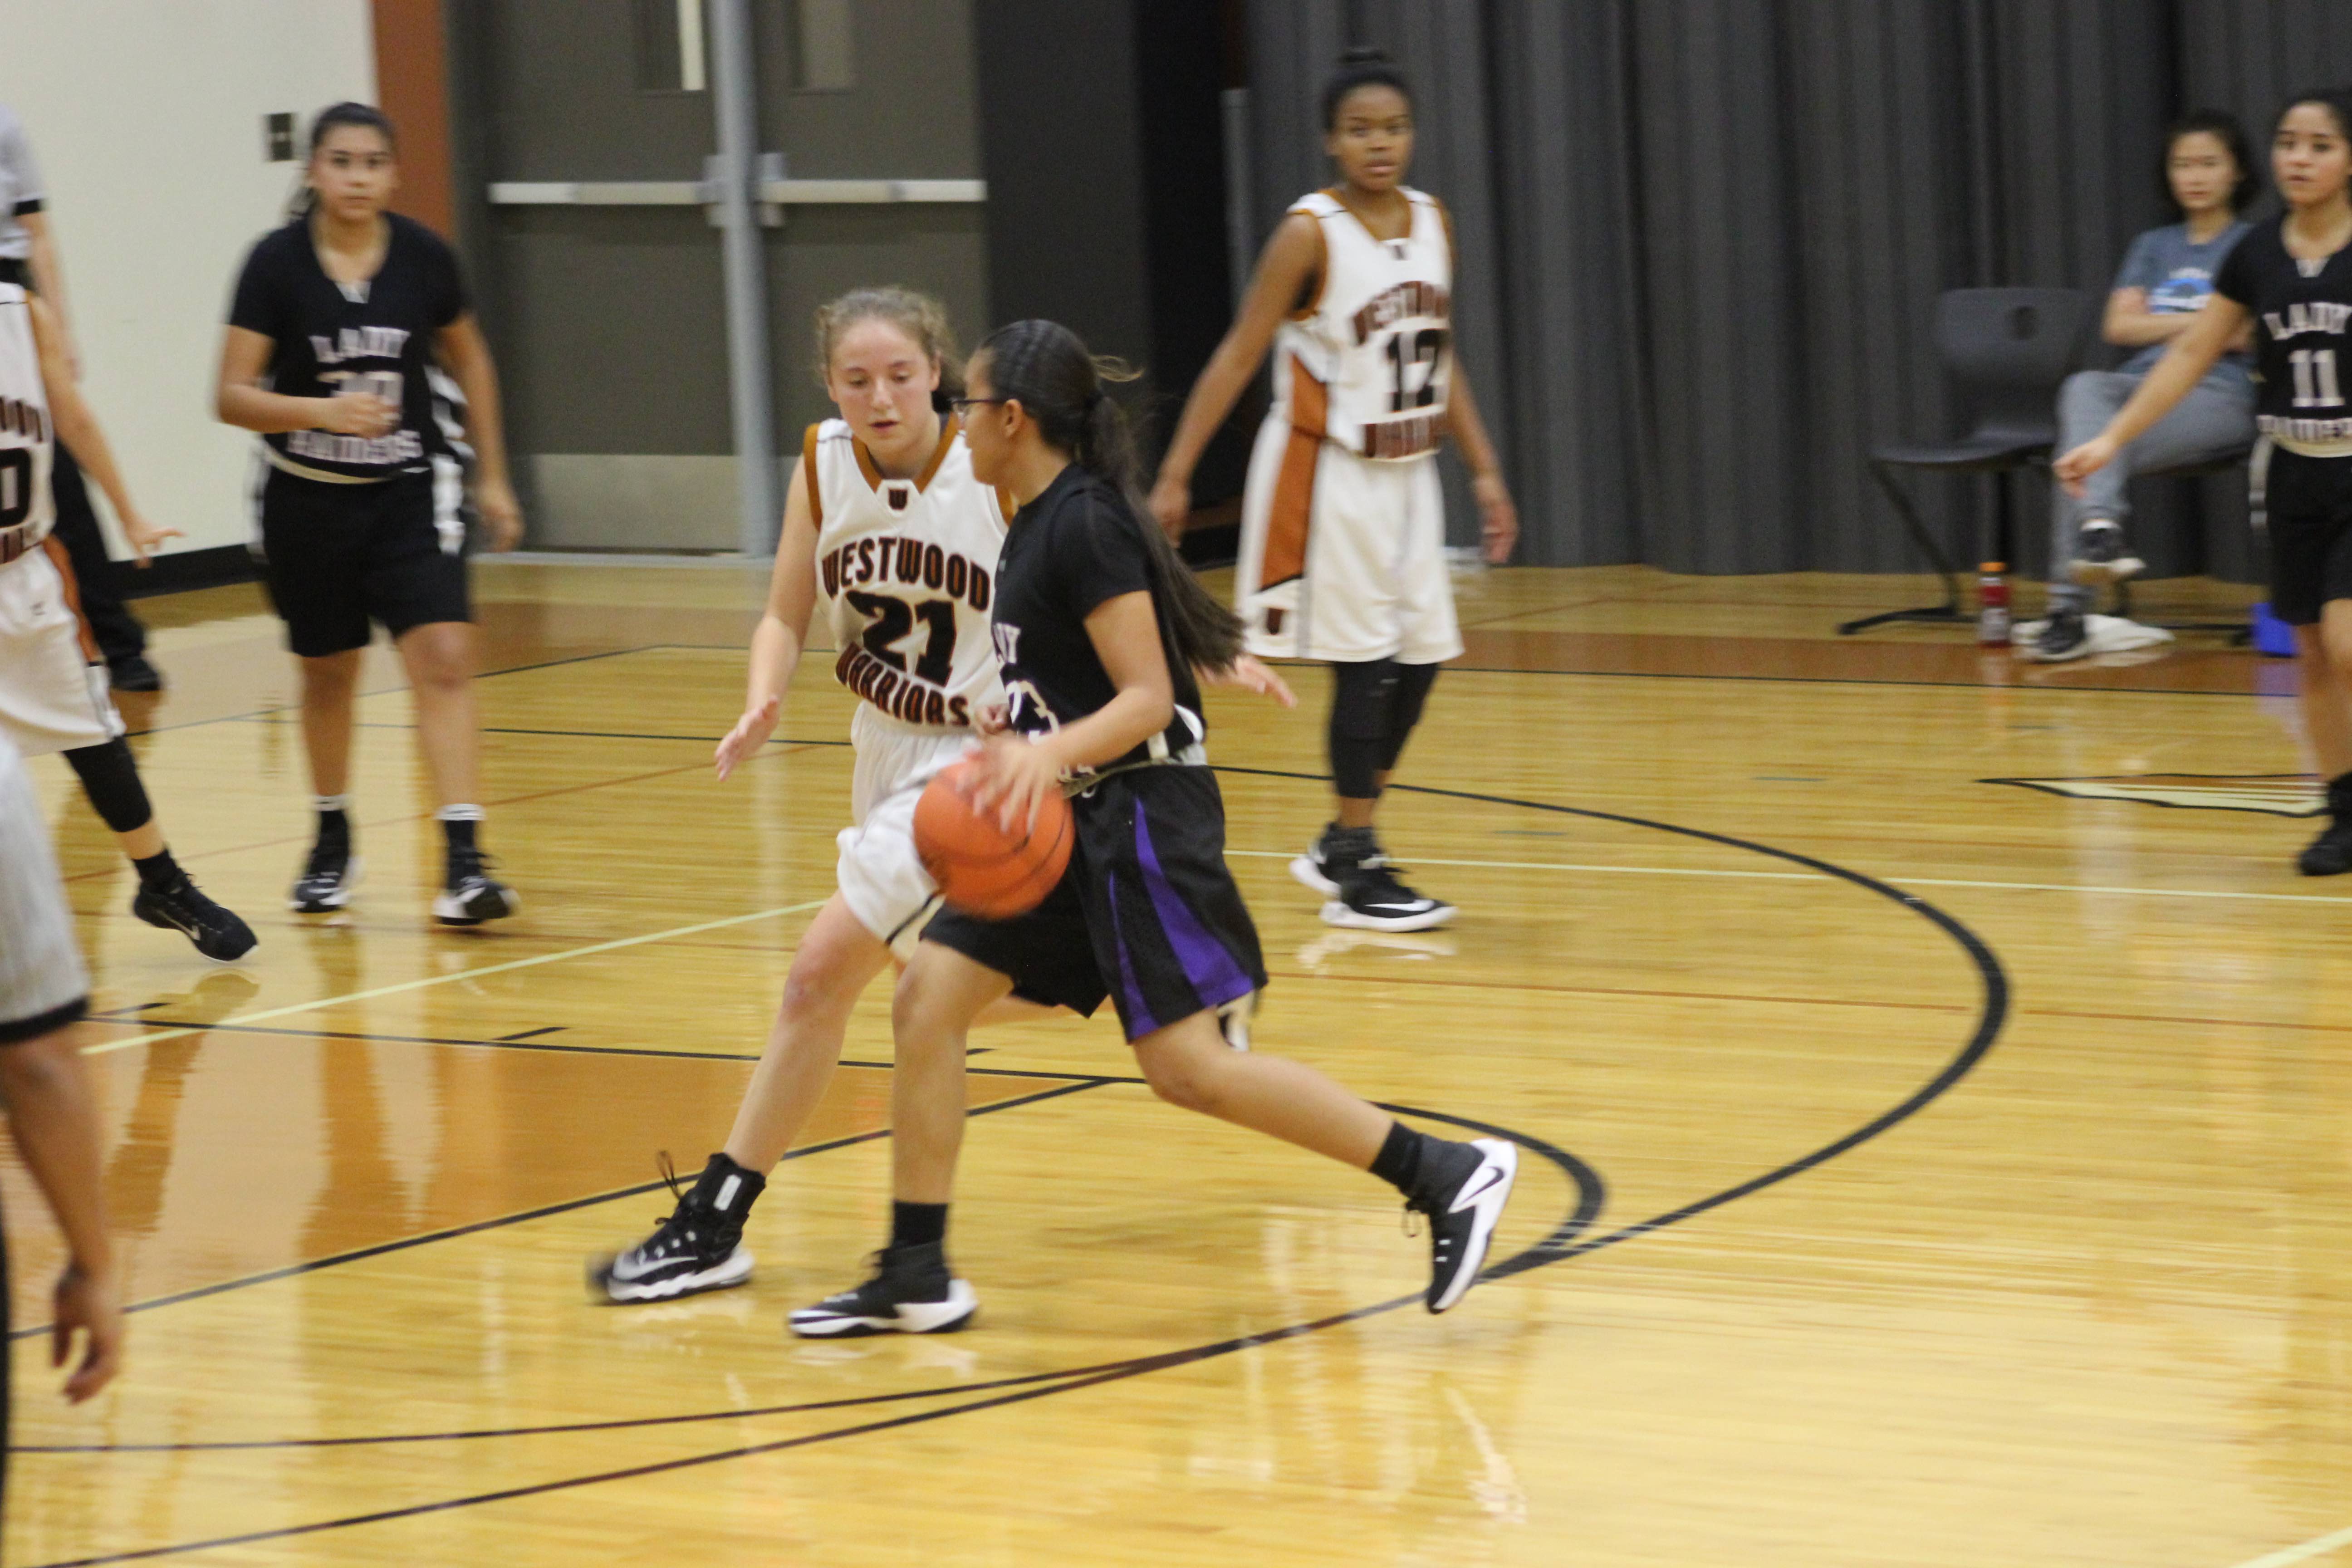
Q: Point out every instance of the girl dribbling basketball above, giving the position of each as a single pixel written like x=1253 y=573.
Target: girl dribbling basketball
x=1343 y=529
x=1098 y=629
x=886 y=525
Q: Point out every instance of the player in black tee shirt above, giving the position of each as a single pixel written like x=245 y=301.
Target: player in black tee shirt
x=1098 y=627
x=2292 y=277
x=352 y=350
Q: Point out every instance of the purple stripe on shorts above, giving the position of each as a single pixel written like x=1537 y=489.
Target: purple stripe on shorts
x=1139 y=1021
x=1211 y=969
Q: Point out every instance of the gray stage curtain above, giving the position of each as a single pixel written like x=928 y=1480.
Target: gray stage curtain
x=1702 y=239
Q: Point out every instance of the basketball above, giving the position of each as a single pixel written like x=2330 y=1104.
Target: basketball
x=980 y=868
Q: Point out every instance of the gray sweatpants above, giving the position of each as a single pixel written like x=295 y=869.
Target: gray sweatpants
x=40 y=968
x=2216 y=420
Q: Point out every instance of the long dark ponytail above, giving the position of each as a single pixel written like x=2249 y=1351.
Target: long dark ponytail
x=335 y=115
x=1044 y=367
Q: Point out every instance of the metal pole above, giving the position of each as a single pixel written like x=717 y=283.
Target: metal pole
x=742 y=253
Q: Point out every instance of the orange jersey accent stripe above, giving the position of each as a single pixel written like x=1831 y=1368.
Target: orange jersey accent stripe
x=808 y=477
x=1293 y=509
x=64 y=563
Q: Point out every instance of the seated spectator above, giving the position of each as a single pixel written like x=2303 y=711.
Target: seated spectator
x=2167 y=275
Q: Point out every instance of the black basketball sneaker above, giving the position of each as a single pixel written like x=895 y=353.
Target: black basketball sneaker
x=327 y=878
x=2101 y=555
x=178 y=904
x=469 y=896
x=911 y=1293
x=2063 y=636
x=699 y=1247
x=1355 y=875
x=2330 y=853
x=1463 y=1190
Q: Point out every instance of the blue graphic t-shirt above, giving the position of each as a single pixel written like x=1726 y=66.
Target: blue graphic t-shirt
x=2178 y=274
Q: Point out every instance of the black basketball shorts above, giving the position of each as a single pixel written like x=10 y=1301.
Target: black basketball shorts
x=337 y=557
x=2310 y=501
x=1147 y=914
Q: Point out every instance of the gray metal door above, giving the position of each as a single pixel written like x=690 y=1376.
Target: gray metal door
x=600 y=235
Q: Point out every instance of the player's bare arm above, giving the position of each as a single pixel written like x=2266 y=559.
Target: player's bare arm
x=1125 y=632
x=2194 y=352
x=1499 y=519
x=78 y=427
x=1286 y=272
x=53 y=1115
x=783 y=631
x=241 y=400
x=467 y=357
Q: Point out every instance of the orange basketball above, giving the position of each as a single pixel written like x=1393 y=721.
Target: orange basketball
x=980 y=868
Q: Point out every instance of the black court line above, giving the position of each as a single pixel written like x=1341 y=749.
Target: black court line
x=1850 y=680
x=1561 y=1246
x=1592 y=1193
x=361 y=1254
x=521 y=1035
x=389 y=691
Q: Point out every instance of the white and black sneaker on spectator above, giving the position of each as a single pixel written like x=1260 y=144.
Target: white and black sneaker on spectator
x=469 y=895
x=2063 y=636
x=327 y=878
x=912 y=1292
x=1463 y=1190
x=2101 y=555
x=699 y=1247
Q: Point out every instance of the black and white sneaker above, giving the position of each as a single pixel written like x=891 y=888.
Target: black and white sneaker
x=2063 y=636
x=698 y=1247
x=1314 y=868
x=2101 y=555
x=469 y=895
x=327 y=878
x=1463 y=1199
x=180 y=905
x=911 y=1293
x=1355 y=875
x=2330 y=853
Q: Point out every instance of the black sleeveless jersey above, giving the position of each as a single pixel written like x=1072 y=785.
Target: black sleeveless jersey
x=377 y=338
x=2301 y=310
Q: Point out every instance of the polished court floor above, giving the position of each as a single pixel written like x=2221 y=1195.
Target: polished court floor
x=1935 y=1089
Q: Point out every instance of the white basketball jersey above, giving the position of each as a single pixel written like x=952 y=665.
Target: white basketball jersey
x=1367 y=363
x=908 y=568
x=25 y=437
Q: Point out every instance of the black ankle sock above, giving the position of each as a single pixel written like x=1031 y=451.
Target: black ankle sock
x=158 y=871
x=1399 y=1162
x=733 y=1201
x=459 y=832
x=918 y=1225
x=334 y=827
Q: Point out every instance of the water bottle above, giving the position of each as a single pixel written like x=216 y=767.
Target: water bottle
x=1992 y=605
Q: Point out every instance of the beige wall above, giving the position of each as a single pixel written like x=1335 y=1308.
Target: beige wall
x=146 y=117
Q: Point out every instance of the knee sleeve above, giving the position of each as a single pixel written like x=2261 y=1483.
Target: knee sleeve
x=110 y=779
x=1363 y=699
x=1406 y=699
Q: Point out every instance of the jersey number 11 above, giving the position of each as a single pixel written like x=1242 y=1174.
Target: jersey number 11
x=2315 y=378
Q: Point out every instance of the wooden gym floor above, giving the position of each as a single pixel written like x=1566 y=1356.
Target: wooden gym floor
x=1937 y=1089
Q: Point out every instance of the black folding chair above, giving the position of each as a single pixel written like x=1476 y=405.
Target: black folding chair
x=2006 y=349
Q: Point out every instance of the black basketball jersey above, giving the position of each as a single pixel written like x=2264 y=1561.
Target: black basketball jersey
x=2301 y=310
x=1075 y=548
x=376 y=337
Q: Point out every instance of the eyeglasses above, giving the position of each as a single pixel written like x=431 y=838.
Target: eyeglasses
x=963 y=406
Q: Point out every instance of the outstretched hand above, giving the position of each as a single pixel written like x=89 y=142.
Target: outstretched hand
x=1171 y=502
x=1249 y=675
x=2081 y=463
x=750 y=733
x=143 y=536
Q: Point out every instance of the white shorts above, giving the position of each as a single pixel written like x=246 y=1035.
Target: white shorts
x=41 y=975
x=882 y=879
x=53 y=692
x=1354 y=551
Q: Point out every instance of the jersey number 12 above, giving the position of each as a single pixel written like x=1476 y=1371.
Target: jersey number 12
x=1405 y=389
x=2315 y=378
